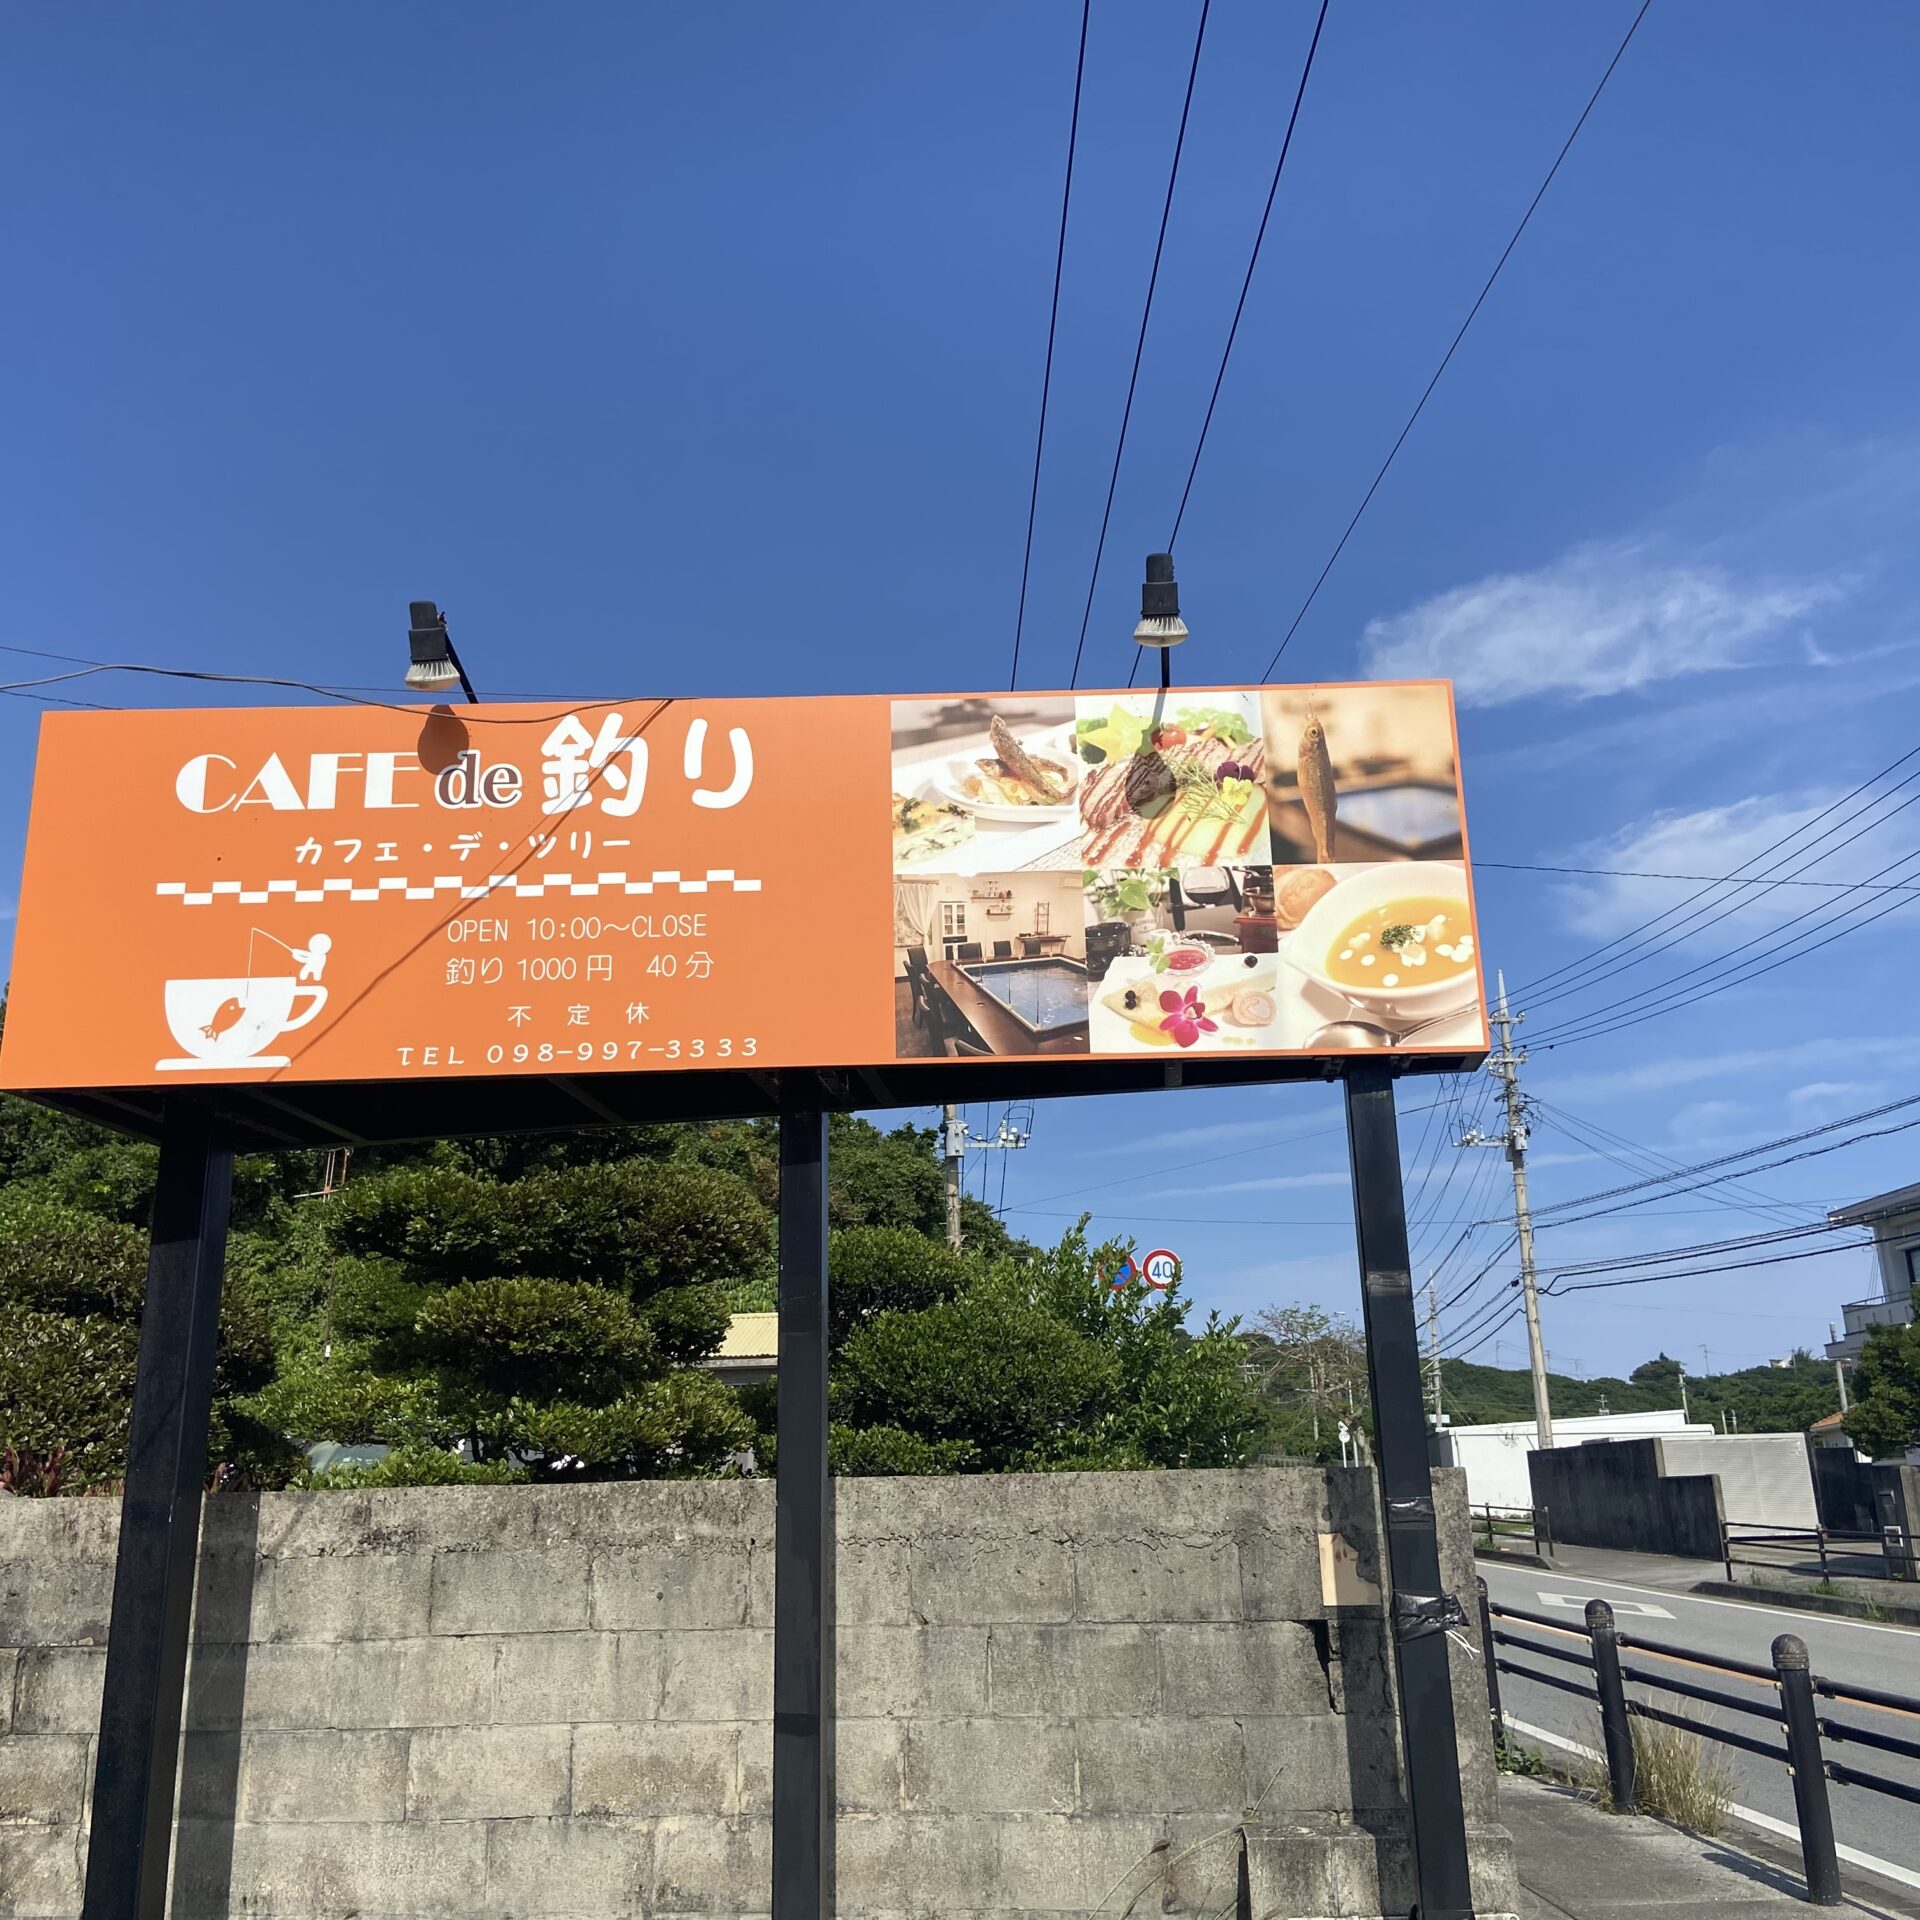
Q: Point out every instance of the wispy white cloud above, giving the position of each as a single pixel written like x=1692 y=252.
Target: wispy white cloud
x=1831 y=1093
x=1271 y=1183
x=1243 y=1133
x=1605 y=618
x=1819 y=656
x=1319 y=1279
x=1672 y=731
x=1724 y=840
x=1666 y=1072
x=1708 y=1120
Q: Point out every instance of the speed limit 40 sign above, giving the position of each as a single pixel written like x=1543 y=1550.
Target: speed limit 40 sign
x=1158 y=1268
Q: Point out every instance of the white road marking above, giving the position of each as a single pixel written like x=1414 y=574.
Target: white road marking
x=1580 y=1600
x=1749 y=1606
x=1781 y=1829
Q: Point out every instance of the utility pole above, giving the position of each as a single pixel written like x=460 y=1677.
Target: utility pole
x=1840 y=1380
x=1010 y=1136
x=1433 y=1351
x=1506 y=1065
x=954 y=1142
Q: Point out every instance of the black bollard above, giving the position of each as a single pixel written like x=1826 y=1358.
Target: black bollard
x=1493 y=1670
x=1616 y=1729
x=1809 y=1769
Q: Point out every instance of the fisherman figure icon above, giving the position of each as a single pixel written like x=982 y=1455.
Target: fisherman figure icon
x=227 y=1023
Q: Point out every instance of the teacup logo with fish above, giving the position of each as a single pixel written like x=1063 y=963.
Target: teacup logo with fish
x=232 y=1022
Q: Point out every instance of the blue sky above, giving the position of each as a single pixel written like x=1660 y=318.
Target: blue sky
x=698 y=350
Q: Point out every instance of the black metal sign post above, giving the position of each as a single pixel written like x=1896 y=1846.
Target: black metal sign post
x=146 y=1676
x=803 y=1545
x=1420 y=1612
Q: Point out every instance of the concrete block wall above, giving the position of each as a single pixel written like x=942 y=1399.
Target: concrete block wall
x=1613 y=1494
x=1055 y=1693
x=1765 y=1478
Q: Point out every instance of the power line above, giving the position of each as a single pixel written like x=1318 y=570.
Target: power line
x=1698 y=922
x=1696 y=1273
x=1053 y=323
x=1717 y=879
x=1483 y=1326
x=1186 y=1219
x=1583 y=961
x=1206 y=1160
x=345 y=696
x=1745 y=1153
x=1579 y=1277
x=1809 y=1153
x=242 y=679
x=1636 y=1159
x=57 y=700
x=1471 y=1195
x=1253 y=260
x=1411 y=1201
x=1704 y=1249
x=1493 y=1259
x=1446 y=358
x=1743 y=976
x=1499 y=1326
x=1140 y=345
x=1425 y=1225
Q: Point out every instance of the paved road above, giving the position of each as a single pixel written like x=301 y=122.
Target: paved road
x=1650 y=1601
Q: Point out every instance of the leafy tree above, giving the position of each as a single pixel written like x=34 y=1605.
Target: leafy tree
x=535 y=1307
x=1884 y=1419
x=550 y=1322
x=71 y=1286
x=897 y=1179
x=1183 y=1399
x=885 y=1450
x=875 y=1270
x=1008 y=1380
x=1035 y=1363
x=1311 y=1368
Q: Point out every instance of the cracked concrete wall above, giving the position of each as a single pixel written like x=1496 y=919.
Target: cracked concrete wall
x=1057 y=1694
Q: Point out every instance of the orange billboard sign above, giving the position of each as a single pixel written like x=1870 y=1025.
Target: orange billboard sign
x=369 y=893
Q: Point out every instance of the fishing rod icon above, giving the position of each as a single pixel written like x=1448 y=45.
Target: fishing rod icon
x=230 y=1022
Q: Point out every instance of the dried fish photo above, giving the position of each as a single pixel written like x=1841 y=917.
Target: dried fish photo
x=1361 y=773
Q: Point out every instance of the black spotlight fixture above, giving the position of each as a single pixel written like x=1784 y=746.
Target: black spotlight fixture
x=433 y=663
x=1160 y=622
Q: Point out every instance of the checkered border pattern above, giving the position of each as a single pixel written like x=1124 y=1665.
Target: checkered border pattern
x=581 y=887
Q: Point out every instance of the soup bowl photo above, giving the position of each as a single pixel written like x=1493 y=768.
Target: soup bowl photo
x=1313 y=946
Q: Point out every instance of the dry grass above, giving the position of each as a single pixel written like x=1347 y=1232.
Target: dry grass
x=1679 y=1776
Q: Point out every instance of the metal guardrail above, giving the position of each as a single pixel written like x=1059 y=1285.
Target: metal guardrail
x=1493 y=1524
x=1604 y=1678
x=1886 y=1555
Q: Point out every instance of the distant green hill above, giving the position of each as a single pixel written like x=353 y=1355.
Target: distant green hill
x=1755 y=1400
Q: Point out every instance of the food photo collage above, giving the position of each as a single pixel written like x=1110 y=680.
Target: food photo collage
x=1172 y=871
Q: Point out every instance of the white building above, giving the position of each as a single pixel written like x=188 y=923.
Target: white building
x=1895 y=1220
x=1495 y=1457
